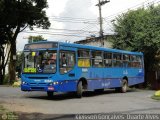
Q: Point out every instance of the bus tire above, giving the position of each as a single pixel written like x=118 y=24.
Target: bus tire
x=79 y=89
x=99 y=90
x=124 y=86
x=118 y=89
x=50 y=94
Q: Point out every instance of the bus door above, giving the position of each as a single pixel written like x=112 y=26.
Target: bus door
x=67 y=68
x=125 y=64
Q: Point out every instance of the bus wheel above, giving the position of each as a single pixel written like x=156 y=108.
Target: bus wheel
x=124 y=86
x=118 y=89
x=50 y=94
x=99 y=90
x=79 y=89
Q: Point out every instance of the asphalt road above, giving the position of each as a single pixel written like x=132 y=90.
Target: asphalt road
x=37 y=104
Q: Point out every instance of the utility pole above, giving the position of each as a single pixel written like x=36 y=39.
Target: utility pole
x=100 y=3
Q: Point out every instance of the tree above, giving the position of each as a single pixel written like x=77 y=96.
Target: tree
x=35 y=38
x=16 y=15
x=3 y=54
x=19 y=62
x=139 y=30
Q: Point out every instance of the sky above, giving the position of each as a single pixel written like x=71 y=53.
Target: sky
x=73 y=20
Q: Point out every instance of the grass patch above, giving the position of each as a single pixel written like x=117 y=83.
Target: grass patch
x=7 y=115
x=156 y=97
x=2 y=109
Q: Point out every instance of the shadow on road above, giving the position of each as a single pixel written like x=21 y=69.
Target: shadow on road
x=40 y=116
x=72 y=95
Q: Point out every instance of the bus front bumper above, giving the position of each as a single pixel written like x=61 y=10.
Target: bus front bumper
x=37 y=88
x=65 y=86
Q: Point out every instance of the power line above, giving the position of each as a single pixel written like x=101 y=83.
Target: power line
x=60 y=32
x=88 y=27
x=78 y=20
x=73 y=18
x=70 y=30
x=74 y=21
x=53 y=34
x=81 y=20
x=136 y=6
x=89 y=21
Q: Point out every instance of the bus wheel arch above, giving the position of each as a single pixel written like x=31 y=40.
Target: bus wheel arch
x=81 y=85
x=125 y=78
x=124 y=83
x=84 y=82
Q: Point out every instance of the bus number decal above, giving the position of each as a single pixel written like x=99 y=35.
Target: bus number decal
x=84 y=70
x=30 y=70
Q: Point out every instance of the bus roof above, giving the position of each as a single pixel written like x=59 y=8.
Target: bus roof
x=81 y=46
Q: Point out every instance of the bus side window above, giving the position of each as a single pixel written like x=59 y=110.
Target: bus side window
x=139 y=61
x=131 y=60
x=84 y=58
x=107 y=59
x=125 y=60
x=135 y=61
x=97 y=59
x=67 y=61
x=117 y=60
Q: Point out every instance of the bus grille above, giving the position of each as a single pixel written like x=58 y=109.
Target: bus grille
x=39 y=84
x=37 y=88
x=38 y=77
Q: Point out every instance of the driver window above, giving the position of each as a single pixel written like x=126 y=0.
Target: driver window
x=67 y=61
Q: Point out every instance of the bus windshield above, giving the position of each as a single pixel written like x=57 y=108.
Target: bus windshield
x=40 y=62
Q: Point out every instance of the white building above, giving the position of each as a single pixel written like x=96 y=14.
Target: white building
x=97 y=41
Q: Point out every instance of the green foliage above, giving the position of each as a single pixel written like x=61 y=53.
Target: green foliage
x=139 y=30
x=155 y=97
x=35 y=39
x=7 y=115
x=2 y=109
x=15 y=16
x=6 y=79
x=15 y=13
x=19 y=62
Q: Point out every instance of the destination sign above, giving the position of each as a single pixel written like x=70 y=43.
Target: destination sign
x=40 y=46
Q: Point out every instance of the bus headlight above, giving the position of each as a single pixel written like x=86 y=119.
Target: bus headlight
x=55 y=83
x=24 y=83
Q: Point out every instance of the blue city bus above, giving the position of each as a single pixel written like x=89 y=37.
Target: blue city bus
x=67 y=67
